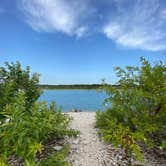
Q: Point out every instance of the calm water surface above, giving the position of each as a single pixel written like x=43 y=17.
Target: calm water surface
x=85 y=100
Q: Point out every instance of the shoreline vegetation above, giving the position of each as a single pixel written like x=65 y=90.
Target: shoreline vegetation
x=74 y=86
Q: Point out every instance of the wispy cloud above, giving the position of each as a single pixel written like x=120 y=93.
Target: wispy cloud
x=56 y=15
x=139 y=25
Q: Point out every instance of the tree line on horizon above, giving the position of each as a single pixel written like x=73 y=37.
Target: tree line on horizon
x=73 y=86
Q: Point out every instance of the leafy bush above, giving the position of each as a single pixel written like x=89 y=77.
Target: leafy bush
x=138 y=109
x=26 y=132
x=25 y=124
x=14 y=79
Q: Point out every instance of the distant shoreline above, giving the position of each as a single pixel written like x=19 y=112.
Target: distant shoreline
x=74 y=86
x=68 y=87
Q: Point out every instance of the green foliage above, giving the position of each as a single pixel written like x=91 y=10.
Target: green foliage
x=14 y=79
x=26 y=132
x=138 y=108
x=57 y=159
x=25 y=124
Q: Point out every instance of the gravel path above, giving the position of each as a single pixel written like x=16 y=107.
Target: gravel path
x=87 y=149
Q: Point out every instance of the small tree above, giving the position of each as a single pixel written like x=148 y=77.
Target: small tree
x=14 y=79
x=138 y=108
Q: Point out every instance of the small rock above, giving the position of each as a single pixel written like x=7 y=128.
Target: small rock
x=85 y=142
x=120 y=157
x=57 y=148
x=94 y=139
x=75 y=141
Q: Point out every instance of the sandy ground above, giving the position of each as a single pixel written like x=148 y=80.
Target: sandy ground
x=87 y=149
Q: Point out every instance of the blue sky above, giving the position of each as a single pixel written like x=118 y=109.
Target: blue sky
x=81 y=41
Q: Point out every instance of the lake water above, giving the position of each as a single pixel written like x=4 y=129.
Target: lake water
x=85 y=100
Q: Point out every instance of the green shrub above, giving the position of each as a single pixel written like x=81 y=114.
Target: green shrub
x=26 y=125
x=138 y=109
x=26 y=132
x=14 y=79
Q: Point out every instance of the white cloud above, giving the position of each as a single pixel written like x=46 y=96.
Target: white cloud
x=138 y=26
x=56 y=15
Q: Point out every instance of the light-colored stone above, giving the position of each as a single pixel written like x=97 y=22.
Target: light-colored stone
x=57 y=148
x=75 y=141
